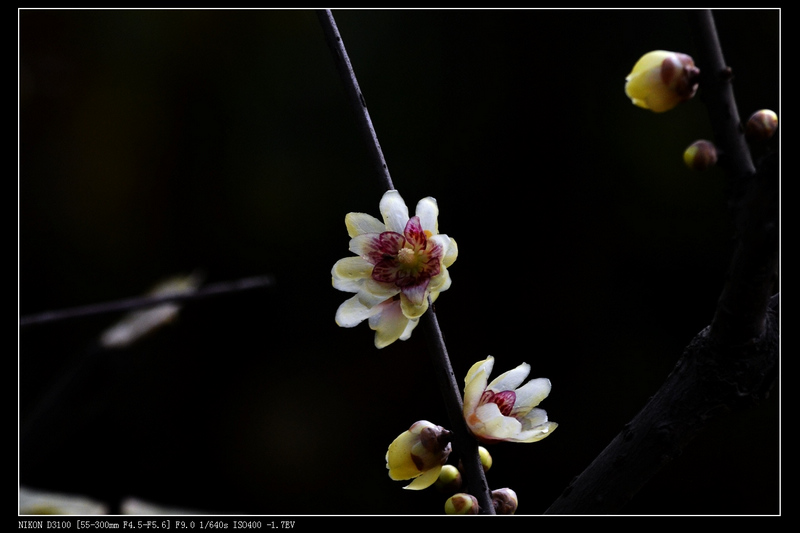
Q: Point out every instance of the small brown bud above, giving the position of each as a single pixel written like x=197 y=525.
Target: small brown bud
x=505 y=501
x=761 y=126
x=700 y=155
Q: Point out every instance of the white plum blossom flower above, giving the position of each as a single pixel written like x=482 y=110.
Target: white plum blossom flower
x=500 y=411
x=419 y=454
x=399 y=263
x=660 y=80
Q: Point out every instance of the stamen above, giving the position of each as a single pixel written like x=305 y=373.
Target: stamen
x=406 y=256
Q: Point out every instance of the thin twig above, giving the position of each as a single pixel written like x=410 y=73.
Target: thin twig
x=357 y=100
x=131 y=304
x=466 y=445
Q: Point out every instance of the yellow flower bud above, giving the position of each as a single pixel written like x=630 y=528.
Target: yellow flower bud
x=761 y=125
x=700 y=155
x=449 y=481
x=461 y=503
x=660 y=80
x=419 y=454
x=486 y=458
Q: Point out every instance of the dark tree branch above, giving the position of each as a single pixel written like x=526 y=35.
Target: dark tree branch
x=733 y=363
x=742 y=307
x=465 y=444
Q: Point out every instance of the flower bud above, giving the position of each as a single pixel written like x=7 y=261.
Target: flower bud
x=660 y=80
x=461 y=503
x=419 y=454
x=449 y=481
x=486 y=458
x=700 y=155
x=505 y=501
x=761 y=126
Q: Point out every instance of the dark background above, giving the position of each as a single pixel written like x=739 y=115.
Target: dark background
x=154 y=143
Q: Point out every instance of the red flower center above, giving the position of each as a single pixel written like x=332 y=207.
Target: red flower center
x=504 y=400
x=407 y=260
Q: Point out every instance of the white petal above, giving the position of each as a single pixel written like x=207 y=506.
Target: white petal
x=394 y=211
x=374 y=292
x=389 y=323
x=440 y=282
x=449 y=249
x=359 y=223
x=364 y=244
x=428 y=213
x=536 y=417
x=351 y=269
x=450 y=254
x=536 y=434
x=412 y=309
x=531 y=394
x=412 y=323
x=352 y=312
x=347 y=285
x=495 y=425
x=510 y=380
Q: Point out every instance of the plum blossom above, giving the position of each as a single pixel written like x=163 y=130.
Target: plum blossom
x=660 y=80
x=419 y=454
x=502 y=410
x=399 y=263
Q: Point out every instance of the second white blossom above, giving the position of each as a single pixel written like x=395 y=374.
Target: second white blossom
x=502 y=410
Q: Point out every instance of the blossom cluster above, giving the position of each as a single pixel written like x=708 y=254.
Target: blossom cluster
x=500 y=410
x=400 y=265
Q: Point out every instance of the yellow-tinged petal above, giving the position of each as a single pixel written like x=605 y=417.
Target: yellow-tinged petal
x=351 y=268
x=398 y=457
x=412 y=310
x=360 y=223
x=425 y=480
x=439 y=283
x=475 y=383
x=389 y=323
x=451 y=253
x=484 y=366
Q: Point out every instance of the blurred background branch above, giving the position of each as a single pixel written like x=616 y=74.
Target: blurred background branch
x=222 y=288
